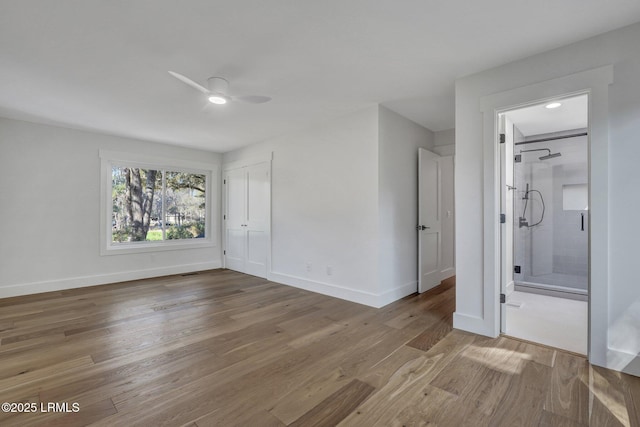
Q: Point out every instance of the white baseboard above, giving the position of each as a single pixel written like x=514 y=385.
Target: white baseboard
x=361 y=297
x=623 y=361
x=511 y=287
x=395 y=294
x=448 y=272
x=474 y=324
x=101 y=279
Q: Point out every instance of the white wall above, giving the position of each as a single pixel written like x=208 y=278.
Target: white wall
x=399 y=140
x=50 y=203
x=344 y=196
x=616 y=310
x=448 y=215
x=325 y=206
x=344 y=201
x=444 y=142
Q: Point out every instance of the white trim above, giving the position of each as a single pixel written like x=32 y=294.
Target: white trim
x=155 y=161
x=447 y=272
x=108 y=159
x=336 y=291
x=470 y=323
x=248 y=161
x=623 y=361
x=448 y=150
x=362 y=297
x=596 y=83
x=101 y=279
x=511 y=287
x=156 y=246
x=396 y=293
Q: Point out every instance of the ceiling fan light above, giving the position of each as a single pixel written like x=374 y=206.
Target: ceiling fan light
x=217 y=99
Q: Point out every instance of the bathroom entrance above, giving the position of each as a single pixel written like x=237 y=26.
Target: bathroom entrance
x=545 y=235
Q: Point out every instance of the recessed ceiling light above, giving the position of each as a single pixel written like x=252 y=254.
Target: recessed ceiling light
x=553 y=105
x=217 y=99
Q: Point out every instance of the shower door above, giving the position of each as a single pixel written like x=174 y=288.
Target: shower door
x=534 y=224
x=551 y=219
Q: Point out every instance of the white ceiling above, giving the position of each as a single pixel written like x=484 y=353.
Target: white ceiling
x=572 y=114
x=102 y=64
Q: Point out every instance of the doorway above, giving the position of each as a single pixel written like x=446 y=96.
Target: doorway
x=545 y=232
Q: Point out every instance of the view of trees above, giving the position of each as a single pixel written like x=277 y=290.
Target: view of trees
x=157 y=205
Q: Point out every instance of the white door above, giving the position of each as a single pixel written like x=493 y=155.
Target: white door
x=257 y=219
x=247 y=213
x=235 y=183
x=429 y=231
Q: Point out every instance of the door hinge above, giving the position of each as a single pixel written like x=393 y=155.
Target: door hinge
x=503 y=298
x=503 y=218
x=224 y=252
x=224 y=181
x=502 y=138
x=516 y=269
x=518 y=158
x=224 y=217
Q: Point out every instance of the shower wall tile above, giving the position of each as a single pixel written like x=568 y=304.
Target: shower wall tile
x=570 y=247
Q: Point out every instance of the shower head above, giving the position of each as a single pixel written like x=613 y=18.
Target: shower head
x=550 y=156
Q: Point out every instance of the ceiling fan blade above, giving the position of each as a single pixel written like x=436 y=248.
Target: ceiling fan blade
x=188 y=81
x=253 y=99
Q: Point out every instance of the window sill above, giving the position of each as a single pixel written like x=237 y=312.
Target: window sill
x=145 y=247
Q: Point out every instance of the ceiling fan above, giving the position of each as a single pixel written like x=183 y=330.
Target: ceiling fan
x=218 y=90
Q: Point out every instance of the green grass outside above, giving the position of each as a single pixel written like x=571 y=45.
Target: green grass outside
x=154 y=235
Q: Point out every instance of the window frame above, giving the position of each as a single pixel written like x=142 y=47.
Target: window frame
x=110 y=159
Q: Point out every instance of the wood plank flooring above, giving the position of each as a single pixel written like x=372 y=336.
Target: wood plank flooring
x=220 y=348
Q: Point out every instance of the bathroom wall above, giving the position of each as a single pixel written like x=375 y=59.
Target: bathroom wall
x=540 y=211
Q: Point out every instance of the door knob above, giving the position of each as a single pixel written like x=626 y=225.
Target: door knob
x=421 y=227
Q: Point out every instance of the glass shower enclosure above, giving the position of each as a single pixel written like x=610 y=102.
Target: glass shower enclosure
x=551 y=214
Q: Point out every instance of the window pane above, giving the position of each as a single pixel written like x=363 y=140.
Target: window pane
x=185 y=205
x=155 y=223
x=134 y=193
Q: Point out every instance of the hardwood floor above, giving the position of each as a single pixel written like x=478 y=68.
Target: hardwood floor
x=220 y=348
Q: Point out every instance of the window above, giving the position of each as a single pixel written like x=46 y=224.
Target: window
x=151 y=206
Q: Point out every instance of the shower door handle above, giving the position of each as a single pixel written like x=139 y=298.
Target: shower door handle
x=581 y=222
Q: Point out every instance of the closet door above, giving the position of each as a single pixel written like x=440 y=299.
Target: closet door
x=235 y=231
x=257 y=222
x=247 y=213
